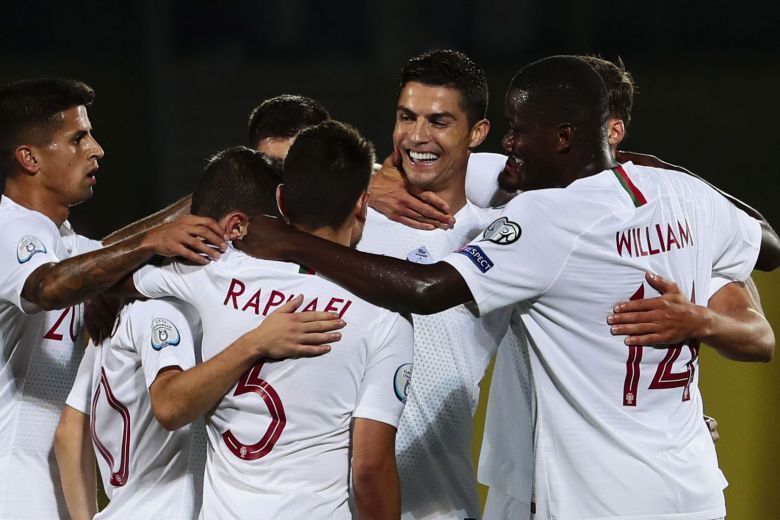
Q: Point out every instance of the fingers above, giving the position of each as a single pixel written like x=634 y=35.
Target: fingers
x=323 y=326
x=633 y=317
x=647 y=304
x=312 y=350
x=646 y=340
x=320 y=338
x=290 y=306
x=415 y=224
x=634 y=329
x=436 y=208
x=660 y=284
x=214 y=229
x=395 y=159
x=420 y=210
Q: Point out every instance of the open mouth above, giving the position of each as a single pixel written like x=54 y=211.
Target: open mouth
x=422 y=158
x=92 y=176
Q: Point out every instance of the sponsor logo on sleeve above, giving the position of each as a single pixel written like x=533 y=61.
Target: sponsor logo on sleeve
x=28 y=246
x=477 y=257
x=164 y=333
x=502 y=231
x=420 y=256
x=401 y=381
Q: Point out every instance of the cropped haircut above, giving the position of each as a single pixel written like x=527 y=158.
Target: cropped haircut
x=620 y=86
x=284 y=116
x=565 y=89
x=237 y=179
x=31 y=109
x=453 y=69
x=325 y=172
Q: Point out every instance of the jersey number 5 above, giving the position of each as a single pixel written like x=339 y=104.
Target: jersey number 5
x=664 y=377
x=251 y=382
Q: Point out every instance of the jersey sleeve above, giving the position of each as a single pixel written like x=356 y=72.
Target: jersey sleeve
x=716 y=284
x=517 y=257
x=737 y=240
x=25 y=245
x=385 y=382
x=80 y=396
x=482 y=177
x=165 y=333
x=175 y=279
x=81 y=244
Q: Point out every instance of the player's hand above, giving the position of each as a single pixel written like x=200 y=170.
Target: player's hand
x=392 y=196
x=197 y=239
x=286 y=333
x=100 y=314
x=712 y=425
x=666 y=320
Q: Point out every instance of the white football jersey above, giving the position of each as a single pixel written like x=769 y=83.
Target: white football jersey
x=482 y=178
x=279 y=439
x=39 y=356
x=451 y=352
x=147 y=471
x=619 y=430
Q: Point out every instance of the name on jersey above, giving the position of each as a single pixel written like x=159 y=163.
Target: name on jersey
x=653 y=240
x=262 y=301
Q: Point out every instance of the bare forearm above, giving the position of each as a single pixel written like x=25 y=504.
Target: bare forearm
x=56 y=286
x=167 y=214
x=179 y=398
x=378 y=495
x=76 y=461
x=388 y=282
x=745 y=338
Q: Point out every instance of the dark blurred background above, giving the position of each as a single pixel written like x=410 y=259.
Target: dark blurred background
x=176 y=80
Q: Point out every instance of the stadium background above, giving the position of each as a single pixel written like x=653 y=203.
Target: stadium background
x=176 y=80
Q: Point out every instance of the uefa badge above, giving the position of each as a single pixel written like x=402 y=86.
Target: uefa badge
x=502 y=231
x=164 y=333
x=27 y=247
x=401 y=381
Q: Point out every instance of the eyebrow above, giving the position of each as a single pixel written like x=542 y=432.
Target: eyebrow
x=436 y=115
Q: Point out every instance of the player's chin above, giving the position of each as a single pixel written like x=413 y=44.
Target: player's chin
x=510 y=180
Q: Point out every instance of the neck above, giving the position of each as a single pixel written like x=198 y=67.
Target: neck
x=588 y=164
x=454 y=196
x=32 y=197
x=342 y=235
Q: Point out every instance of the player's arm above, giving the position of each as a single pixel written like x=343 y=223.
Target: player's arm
x=377 y=491
x=71 y=281
x=394 y=284
x=396 y=199
x=169 y=214
x=180 y=397
x=76 y=461
x=768 y=255
x=732 y=323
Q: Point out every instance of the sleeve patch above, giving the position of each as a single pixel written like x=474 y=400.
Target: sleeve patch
x=477 y=257
x=164 y=333
x=28 y=246
x=502 y=231
x=401 y=381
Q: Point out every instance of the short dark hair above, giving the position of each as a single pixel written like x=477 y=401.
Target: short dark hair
x=565 y=89
x=328 y=167
x=284 y=116
x=237 y=179
x=620 y=86
x=30 y=109
x=453 y=69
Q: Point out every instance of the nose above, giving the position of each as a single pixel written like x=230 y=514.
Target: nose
x=420 y=132
x=96 y=150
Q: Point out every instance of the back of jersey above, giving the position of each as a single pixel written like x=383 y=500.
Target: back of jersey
x=619 y=431
x=279 y=439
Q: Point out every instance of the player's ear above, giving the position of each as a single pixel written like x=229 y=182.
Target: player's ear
x=616 y=132
x=565 y=134
x=478 y=133
x=26 y=157
x=280 y=202
x=361 y=207
x=236 y=225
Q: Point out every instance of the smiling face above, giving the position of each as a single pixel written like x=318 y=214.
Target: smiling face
x=433 y=134
x=530 y=147
x=68 y=161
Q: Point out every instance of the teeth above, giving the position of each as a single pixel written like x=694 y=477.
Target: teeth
x=423 y=156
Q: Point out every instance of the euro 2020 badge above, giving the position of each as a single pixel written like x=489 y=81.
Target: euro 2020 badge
x=401 y=381
x=27 y=247
x=164 y=333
